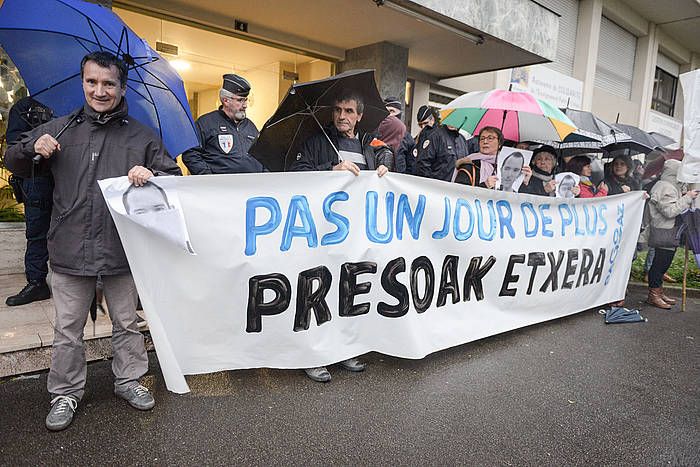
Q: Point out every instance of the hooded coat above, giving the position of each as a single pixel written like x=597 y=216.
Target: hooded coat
x=82 y=239
x=616 y=183
x=666 y=201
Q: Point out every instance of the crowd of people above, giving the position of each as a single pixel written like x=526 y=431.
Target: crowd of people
x=100 y=140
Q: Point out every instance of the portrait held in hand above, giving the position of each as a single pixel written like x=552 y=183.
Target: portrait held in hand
x=510 y=168
x=566 y=181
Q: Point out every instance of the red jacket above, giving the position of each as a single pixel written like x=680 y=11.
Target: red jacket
x=588 y=190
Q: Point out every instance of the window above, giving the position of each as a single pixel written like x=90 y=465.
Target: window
x=615 y=66
x=566 y=43
x=664 y=97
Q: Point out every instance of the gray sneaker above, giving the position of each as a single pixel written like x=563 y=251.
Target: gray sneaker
x=61 y=413
x=137 y=396
x=353 y=364
x=320 y=374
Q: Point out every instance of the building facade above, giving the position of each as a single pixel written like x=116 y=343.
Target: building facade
x=619 y=58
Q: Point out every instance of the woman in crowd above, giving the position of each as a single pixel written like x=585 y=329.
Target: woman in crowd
x=618 y=176
x=541 y=182
x=479 y=169
x=666 y=202
x=581 y=166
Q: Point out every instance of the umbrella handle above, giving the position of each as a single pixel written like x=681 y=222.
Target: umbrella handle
x=75 y=117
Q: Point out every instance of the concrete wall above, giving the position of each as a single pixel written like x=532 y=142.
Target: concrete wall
x=607 y=106
x=509 y=20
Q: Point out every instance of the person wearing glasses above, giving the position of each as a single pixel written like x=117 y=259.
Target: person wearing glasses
x=225 y=135
x=479 y=169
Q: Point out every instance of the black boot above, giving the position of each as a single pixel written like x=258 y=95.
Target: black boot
x=32 y=292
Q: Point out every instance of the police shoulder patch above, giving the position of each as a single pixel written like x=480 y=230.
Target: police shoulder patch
x=426 y=143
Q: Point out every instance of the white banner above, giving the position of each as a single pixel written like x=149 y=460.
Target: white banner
x=299 y=270
x=690 y=170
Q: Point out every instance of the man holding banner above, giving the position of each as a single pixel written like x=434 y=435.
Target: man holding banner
x=100 y=141
x=342 y=147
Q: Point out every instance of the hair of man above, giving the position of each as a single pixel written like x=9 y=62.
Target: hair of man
x=106 y=60
x=349 y=95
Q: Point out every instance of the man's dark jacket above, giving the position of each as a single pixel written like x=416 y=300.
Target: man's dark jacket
x=436 y=153
x=83 y=239
x=405 y=162
x=210 y=158
x=317 y=153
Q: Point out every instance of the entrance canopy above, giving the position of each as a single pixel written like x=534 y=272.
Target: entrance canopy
x=445 y=38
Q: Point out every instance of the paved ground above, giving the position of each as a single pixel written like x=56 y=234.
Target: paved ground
x=571 y=391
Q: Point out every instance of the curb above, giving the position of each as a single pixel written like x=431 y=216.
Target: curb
x=693 y=293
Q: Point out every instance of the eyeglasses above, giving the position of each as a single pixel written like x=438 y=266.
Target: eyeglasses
x=239 y=99
x=488 y=138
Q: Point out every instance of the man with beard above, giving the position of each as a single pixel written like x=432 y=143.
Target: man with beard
x=225 y=135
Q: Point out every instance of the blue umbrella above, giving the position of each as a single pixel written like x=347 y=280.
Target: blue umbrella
x=47 y=39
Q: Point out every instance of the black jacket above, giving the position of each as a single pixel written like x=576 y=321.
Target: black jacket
x=436 y=154
x=470 y=174
x=223 y=146
x=536 y=185
x=405 y=162
x=17 y=123
x=82 y=239
x=317 y=153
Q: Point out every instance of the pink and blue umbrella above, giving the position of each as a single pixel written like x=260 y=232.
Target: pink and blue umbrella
x=519 y=115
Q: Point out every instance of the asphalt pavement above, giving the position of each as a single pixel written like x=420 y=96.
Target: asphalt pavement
x=567 y=392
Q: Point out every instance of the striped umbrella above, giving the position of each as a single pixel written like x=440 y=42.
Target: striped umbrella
x=520 y=115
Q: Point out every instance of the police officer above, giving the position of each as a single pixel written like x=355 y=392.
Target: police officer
x=435 y=152
x=225 y=135
x=36 y=194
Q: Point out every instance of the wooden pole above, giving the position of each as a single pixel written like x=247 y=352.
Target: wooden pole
x=685 y=278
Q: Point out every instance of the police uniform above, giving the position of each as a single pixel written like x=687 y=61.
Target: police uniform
x=36 y=193
x=224 y=143
x=435 y=154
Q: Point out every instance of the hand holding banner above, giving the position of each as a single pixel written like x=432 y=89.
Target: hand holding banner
x=298 y=270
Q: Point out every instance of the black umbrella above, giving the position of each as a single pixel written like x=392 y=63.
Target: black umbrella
x=662 y=140
x=639 y=141
x=307 y=108
x=591 y=134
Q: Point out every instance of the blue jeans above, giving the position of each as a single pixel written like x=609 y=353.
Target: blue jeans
x=38 y=193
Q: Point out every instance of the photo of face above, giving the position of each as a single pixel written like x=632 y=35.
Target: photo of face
x=510 y=163
x=566 y=181
x=511 y=169
x=149 y=198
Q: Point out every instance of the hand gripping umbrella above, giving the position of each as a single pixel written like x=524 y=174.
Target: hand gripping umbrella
x=307 y=108
x=47 y=39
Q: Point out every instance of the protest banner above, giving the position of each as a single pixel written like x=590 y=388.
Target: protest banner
x=299 y=270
